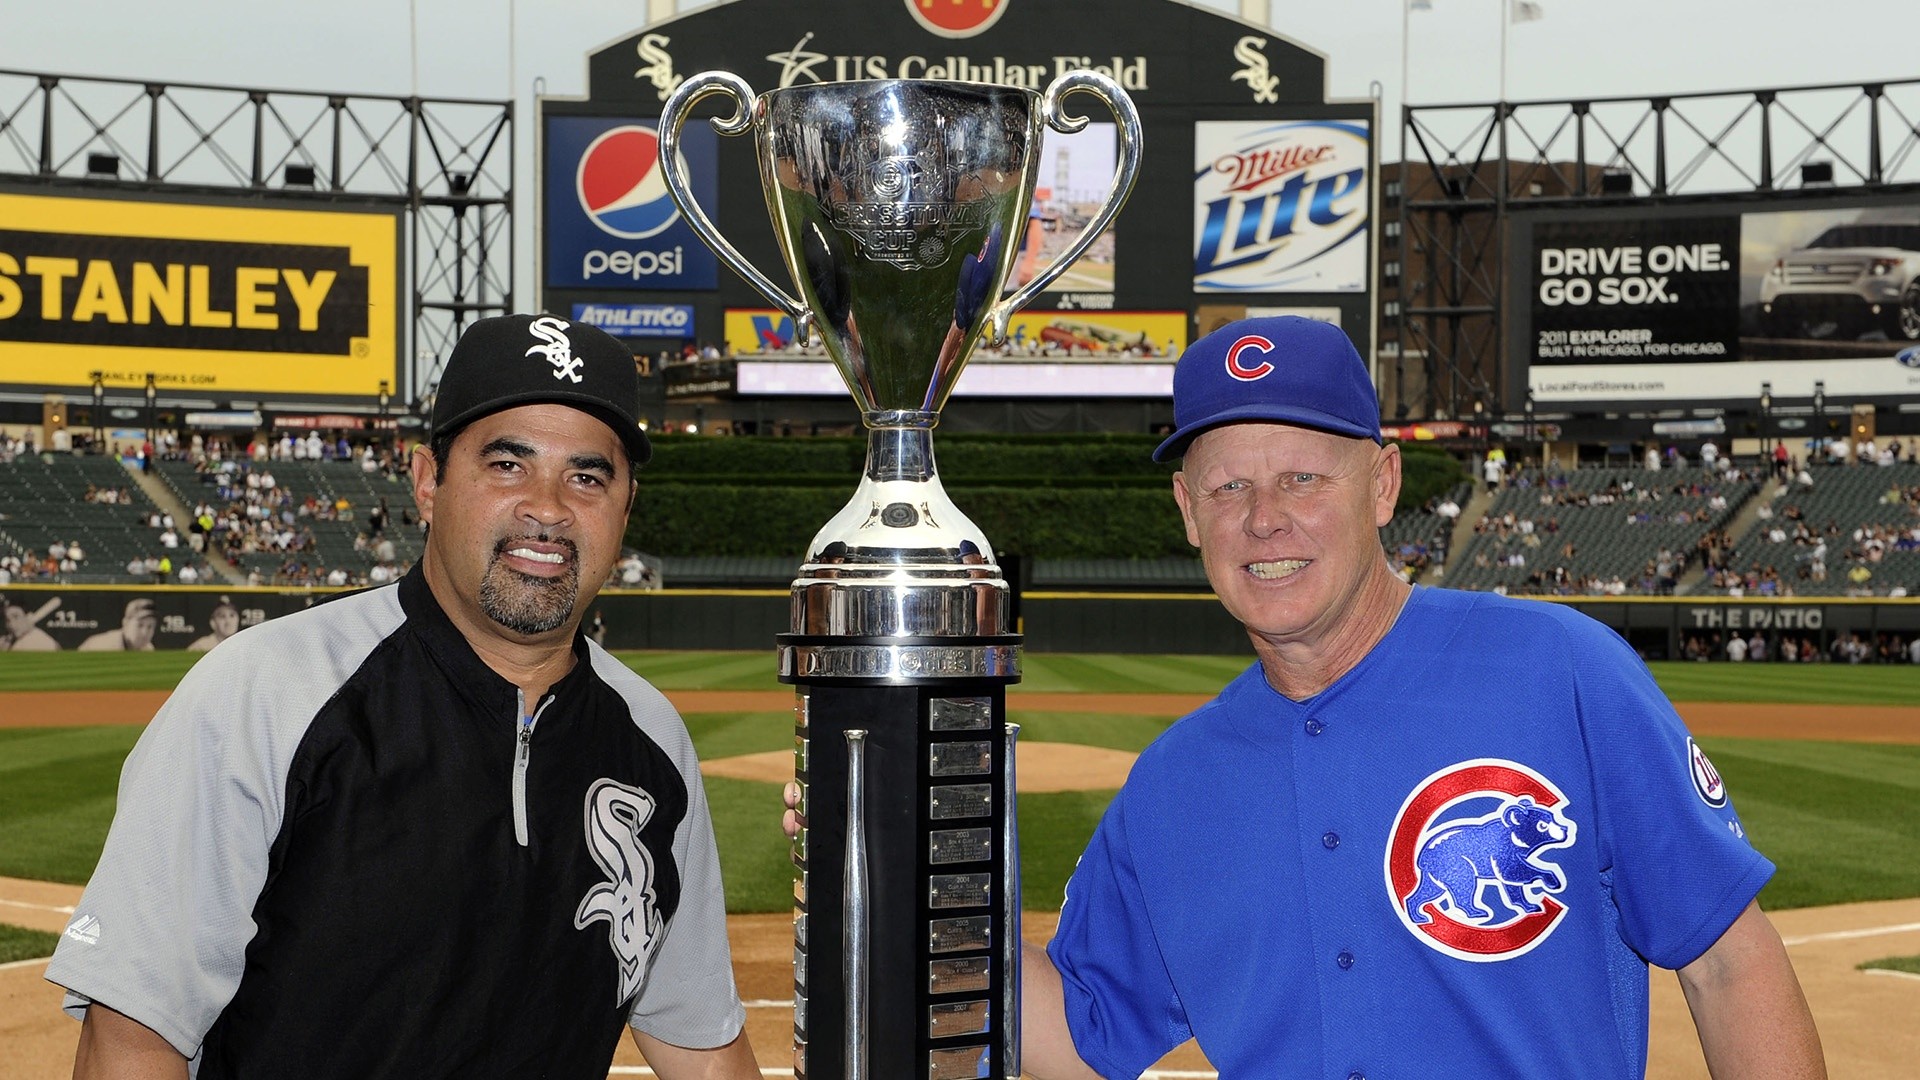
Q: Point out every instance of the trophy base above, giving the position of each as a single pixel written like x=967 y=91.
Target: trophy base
x=911 y=968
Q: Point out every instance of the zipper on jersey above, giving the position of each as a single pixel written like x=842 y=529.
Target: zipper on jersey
x=522 y=754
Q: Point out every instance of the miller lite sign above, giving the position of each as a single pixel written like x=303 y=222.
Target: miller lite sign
x=1281 y=207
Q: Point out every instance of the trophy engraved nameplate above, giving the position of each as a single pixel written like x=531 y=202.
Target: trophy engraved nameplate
x=900 y=208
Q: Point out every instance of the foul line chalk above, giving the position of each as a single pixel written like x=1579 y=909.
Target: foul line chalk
x=64 y=910
x=1895 y=974
x=38 y=961
x=1844 y=935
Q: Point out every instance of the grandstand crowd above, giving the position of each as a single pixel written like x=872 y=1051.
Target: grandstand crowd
x=306 y=509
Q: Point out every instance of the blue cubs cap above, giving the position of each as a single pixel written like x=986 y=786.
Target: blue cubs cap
x=1280 y=369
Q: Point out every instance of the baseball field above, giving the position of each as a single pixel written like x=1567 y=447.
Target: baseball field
x=1823 y=761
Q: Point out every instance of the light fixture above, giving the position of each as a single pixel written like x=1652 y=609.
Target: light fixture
x=1616 y=182
x=459 y=183
x=299 y=175
x=103 y=166
x=1816 y=173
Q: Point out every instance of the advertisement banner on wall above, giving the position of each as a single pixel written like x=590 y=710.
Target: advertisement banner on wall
x=216 y=299
x=1281 y=207
x=1636 y=291
x=673 y=321
x=609 y=221
x=1711 y=308
x=1140 y=334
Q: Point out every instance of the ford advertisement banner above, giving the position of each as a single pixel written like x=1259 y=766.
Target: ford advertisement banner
x=1633 y=291
x=1680 y=307
x=1281 y=207
x=608 y=219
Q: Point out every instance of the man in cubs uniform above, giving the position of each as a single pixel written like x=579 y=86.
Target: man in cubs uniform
x=427 y=830
x=1429 y=834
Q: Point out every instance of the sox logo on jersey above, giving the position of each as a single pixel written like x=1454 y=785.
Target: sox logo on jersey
x=615 y=815
x=1465 y=866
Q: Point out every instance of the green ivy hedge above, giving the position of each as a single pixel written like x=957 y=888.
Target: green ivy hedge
x=1054 y=497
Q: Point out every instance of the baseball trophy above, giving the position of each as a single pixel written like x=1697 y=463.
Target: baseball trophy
x=900 y=207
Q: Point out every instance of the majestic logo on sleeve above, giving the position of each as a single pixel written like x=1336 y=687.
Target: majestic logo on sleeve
x=1706 y=779
x=615 y=815
x=558 y=350
x=1464 y=859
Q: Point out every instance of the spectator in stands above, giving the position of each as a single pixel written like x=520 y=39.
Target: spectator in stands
x=1736 y=649
x=189 y=575
x=134 y=634
x=1493 y=469
x=1757 y=648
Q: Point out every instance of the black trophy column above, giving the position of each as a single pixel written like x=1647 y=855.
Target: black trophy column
x=941 y=878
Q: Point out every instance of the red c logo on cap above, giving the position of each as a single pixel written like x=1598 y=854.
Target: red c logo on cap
x=1241 y=371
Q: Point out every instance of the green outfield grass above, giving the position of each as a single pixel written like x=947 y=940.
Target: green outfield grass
x=20 y=943
x=1908 y=964
x=1841 y=820
x=1833 y=684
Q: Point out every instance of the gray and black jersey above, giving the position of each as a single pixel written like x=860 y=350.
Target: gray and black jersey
x=345 y=847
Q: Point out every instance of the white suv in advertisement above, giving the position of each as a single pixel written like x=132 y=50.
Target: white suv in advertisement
x=1850 y=280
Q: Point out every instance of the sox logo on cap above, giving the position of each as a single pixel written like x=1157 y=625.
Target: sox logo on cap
x=1249 y=372
x=558 y=351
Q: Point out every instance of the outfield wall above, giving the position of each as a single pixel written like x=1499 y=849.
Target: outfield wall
x=69 y=617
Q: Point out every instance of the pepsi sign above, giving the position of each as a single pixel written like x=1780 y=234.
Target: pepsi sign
x=1281 y=207
x=609 y=221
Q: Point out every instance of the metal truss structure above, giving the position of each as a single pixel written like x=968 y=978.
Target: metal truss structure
x=446 y=163
x=1466 y=168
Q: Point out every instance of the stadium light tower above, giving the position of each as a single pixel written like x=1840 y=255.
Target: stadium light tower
x=1819 y=418
x=1766 y=420
x=152 y=394
x=99 y=406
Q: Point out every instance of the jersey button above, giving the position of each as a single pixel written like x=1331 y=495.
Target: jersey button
x=1345 y=960
x=1315 y=727
x=1331 y=840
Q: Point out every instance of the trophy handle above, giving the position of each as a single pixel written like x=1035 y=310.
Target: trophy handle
x=673 y=116
x=1052 y=106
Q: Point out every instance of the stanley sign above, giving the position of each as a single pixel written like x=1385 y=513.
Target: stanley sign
x=213 y=299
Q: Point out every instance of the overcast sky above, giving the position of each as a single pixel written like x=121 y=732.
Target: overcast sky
x=1579 y=48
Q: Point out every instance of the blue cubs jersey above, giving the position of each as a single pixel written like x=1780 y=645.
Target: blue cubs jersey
x=1455 y=861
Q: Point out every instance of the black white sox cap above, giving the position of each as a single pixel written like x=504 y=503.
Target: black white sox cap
x=512 y=360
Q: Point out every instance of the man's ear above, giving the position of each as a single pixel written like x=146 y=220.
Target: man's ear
x=426 y=481
x=1181 y=496
x=1386 y=484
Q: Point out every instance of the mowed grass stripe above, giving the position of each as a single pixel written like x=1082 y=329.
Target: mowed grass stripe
x=20 y=943
x=1836 y=837
x=1838 y=684
x=1793 y=684
x=707 y=670
x=23 y=749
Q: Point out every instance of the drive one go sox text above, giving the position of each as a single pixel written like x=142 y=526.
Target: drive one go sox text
x=1621 y=275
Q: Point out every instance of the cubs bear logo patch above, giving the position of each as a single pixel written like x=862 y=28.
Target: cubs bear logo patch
x=1467 y=862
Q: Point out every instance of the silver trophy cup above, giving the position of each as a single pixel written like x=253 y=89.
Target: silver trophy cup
x=900 y=208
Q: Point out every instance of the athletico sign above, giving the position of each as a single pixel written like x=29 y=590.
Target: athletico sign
x=220 y=298
x=638 y=320
x=610 y=223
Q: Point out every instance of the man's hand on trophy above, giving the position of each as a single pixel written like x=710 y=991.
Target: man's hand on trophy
x=793 y=820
